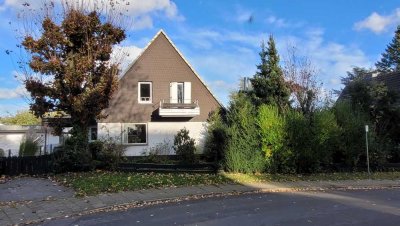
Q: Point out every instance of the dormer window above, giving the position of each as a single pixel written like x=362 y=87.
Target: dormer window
x=145 y=93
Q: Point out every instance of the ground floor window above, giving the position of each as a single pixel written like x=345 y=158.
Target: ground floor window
x=93 y=133
x=135 y=133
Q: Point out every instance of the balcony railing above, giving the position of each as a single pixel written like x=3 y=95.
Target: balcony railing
x=168 y=109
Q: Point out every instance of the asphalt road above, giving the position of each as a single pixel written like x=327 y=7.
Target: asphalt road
x=357 y=207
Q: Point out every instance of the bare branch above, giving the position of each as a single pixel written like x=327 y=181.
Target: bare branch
x=301 y=76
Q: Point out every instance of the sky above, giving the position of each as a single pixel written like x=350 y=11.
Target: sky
x=221 y=39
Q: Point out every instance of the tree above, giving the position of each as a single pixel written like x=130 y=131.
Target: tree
x=21 y=118
x=369 y=95
x=73 y=73
x=390 y=60
x=243 y=150
x=269 y=86
x=373 y=98
x=301 y=76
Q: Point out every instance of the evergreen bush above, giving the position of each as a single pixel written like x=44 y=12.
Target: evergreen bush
x=215 y=144
x=184 y=146
x=243 y=150
x=272 y=135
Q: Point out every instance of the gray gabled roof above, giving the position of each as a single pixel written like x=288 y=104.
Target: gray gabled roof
x=390 y=79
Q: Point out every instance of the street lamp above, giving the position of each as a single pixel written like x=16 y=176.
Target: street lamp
x=366 y=142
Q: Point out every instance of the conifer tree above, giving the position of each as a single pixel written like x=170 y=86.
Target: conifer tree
x=269 y=86
x=390 y=60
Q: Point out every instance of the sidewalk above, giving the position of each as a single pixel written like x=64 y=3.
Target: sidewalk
x=38 y=210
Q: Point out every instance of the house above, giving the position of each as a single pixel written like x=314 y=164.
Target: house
x=390 y=79
x=11 y=136
x=159 y=94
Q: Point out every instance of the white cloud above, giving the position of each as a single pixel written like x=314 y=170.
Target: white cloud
x=209 y=39
x=379 y=23
x=125 y=55
x=223 y=69
x=13 y=93
x=142 y=22
x=332 y=59
x=279 y=22
x=237 y=56
x=244 y=16
x=141 y=11
x=20 y=4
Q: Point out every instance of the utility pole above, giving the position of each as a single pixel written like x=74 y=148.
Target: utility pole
x=366 y=142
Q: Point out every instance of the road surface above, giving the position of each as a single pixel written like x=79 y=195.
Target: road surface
x=355 y=207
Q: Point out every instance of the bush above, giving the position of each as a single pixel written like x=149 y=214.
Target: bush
x=326 y=136
x=2 y=152
x=107 y=153
x=272 y=135
x=215 y=144
x=243 y=150
x=159 y=153
x=74 y=155
x=311 y=140
x=184 y=146
x=28 y=147
x=352 y=123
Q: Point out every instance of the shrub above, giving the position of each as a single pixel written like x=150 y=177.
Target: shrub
x=299 y=153
x=272 y=135
x=215 y=144
x=326 y=136
x=184 y=146
x=311 y=140
x=159 y=153
x=28 y=147
x=243 y=150
x=74 y=155
x=107 y=153
x=351 y=122
x=2 y=152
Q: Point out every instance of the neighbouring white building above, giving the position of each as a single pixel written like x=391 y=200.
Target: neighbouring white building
x=12 y=136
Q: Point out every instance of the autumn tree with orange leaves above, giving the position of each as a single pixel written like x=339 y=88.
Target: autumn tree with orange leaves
x=73 y=71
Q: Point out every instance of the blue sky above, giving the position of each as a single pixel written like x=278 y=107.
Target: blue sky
x=218 y=40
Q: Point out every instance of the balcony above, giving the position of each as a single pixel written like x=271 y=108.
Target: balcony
x=168 y=109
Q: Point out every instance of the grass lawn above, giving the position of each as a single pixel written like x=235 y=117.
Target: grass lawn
x=91 y=183
x=259 y=178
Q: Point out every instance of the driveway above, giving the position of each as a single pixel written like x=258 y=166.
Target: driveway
x=31 y=189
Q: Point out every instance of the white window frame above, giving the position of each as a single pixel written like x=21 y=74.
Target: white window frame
x=140 y=101
x=125 y=133
x=187 y=92
x=183 y=92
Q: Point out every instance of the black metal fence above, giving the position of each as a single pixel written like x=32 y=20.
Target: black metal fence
x=34 y=165
x=43 y=164
x=158 y=167
x=31 y=165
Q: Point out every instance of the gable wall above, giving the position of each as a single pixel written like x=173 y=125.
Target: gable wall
x=160 y=64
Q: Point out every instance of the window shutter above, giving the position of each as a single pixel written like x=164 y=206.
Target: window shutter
x=173 y=92
x=188 y=93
